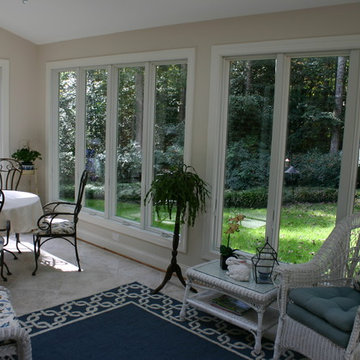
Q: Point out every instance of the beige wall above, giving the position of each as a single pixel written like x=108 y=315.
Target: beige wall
x=25 y=109
x=29 y=118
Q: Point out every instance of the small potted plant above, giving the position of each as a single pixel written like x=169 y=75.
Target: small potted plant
x=27 y=157
x=227 y=251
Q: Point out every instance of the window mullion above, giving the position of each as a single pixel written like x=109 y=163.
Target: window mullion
x=110 y=145
x=80 y=125
x=350 y=156
x=218 y=198
x=54 y=151
x=278 y=147
x=148 y=141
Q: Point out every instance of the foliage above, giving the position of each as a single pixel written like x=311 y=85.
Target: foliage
x=315 y=168
x=252 y=198
x=318 y=169
x=26 y=155
x=234 y=224
x=179 y=188
x=257 y=197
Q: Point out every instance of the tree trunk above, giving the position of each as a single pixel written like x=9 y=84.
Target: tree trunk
x=339 y=92
x=248 y=77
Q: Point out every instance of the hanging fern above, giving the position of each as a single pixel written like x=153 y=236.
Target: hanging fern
x=182 y=188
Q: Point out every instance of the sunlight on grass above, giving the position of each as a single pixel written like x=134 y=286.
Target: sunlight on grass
x=304 y=227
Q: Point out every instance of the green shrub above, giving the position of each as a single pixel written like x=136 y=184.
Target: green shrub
x=253 y=198
x=257 y=197
x=129 y=191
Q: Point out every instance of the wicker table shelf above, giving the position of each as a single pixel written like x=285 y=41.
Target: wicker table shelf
x=258 y=296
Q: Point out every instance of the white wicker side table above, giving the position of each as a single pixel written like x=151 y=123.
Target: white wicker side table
x=258 y=296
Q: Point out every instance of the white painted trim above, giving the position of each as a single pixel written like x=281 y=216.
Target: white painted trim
x=350 y=156
x=151 y=56
x=4 y=108
x=129 y=251
x=320 y=44
x=156 y=237
x=278 y=146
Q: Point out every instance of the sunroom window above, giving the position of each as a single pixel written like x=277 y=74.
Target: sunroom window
x=286 y=148
x=124 y=123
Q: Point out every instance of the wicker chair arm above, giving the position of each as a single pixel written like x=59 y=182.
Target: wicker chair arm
x=297 y=275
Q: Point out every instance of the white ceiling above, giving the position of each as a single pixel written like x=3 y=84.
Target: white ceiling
x=46 y=21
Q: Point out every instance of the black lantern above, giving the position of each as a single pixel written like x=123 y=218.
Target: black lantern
x=264 y=261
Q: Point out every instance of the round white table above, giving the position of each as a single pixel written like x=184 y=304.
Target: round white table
x=23 y=209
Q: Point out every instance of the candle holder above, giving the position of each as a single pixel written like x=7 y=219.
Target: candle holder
x=264 y=261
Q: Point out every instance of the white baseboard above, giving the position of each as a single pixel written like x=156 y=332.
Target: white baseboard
x=128 y=251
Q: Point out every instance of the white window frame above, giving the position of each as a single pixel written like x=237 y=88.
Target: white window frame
x=106 y=219
x=4 y=108
x=283 y=51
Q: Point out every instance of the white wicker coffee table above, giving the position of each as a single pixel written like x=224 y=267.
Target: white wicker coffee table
x=211 y=277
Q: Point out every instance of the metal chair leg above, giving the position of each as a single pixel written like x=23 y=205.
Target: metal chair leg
x=36 y=241
x=77 y=254
x=2 y=263
x=17 y=236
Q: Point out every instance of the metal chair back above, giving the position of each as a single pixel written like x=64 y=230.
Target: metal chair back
x=10 y=173
x=2 y=199
x=80 y=195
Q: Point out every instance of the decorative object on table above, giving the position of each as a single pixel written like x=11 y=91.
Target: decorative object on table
x=227 y=251
x=27 y=157
x=238 y=269
x=182 y=190
x=263 y=263
x=59 y=222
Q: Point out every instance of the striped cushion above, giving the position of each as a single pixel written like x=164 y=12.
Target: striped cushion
x=7 y=313
x=58 y=227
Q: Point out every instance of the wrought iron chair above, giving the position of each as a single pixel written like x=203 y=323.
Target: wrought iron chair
x=320 y=300
x=10 y=175
x=4 y=231
x=59 y=221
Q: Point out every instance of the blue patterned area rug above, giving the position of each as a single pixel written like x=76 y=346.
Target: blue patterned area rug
x=130 y=323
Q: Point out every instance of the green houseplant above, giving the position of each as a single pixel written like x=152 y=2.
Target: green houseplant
x=227 y=251
x=26 y=156
x=179 y=189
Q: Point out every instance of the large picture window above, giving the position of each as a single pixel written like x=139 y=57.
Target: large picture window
x=286 y=135
x=124 y=122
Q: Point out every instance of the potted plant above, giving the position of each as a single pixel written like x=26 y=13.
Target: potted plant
x=227 y=251
x=26 y=156
x=179 y=189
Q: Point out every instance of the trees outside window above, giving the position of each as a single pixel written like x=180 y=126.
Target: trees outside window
x=281 y=124
x=124 y=123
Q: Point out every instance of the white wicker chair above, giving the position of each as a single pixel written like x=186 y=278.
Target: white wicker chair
x=14 y=340
x=336 y=264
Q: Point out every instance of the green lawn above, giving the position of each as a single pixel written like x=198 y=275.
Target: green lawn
x=304 y=227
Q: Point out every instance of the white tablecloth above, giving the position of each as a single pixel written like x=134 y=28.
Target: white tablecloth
x=23 y=209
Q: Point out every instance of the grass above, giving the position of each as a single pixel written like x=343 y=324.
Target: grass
x=304 y=227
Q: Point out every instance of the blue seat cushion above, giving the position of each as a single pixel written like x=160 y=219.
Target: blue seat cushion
x=328 y=310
